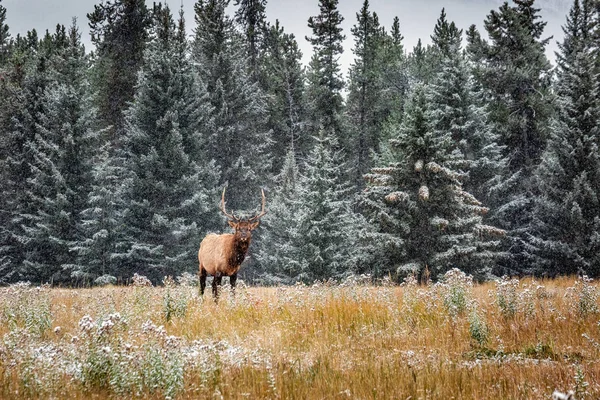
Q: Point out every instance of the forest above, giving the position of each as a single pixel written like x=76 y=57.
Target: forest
x=473 y=152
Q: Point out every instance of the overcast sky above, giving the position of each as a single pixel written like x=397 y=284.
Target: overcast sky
x=417 y=17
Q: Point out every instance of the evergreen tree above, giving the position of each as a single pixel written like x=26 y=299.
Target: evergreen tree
x=102 y=247
x=421 y=63
x=119 y=29
x=60 y=181
x=446 y=36
x=325 y=82
x=283 y=82
x=22 y=101
x=365 y=90
x=566 y=238
x=325 y=220
x=394 y=75
x=239 y=140
x=425 y=220
x=170 y=195
x=251 y=16
x=515 y=74
x=454 y=108
x=4 y=37
x=281 y=241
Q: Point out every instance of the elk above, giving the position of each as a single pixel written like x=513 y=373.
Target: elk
x=222 y=255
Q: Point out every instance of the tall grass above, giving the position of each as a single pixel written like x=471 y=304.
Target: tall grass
x=455 y=339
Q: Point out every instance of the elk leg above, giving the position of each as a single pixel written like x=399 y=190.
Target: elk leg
x=202 y=281
x=232 y=280
x=216 y=281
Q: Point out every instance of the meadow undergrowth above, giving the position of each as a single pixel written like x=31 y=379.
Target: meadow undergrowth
x=356 y=339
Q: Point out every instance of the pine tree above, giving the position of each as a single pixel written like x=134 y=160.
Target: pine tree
x=283 y=82
x=421 y=63
x=102 y=247
x=239 y=140
x=446 y=36
x=454 y=108
x=171 y=192
x=515 y=75
x=22 y=101
x=425 y=220
x=281 y=240
x=363 y=108
x=325 y=220
x=325 y=81
x=251 y=16
x=4 y=37
x=566 y=238
x=393 y=74
x=61 y=169
x=119 y=29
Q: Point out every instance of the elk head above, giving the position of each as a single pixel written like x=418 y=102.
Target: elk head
x=243 y=226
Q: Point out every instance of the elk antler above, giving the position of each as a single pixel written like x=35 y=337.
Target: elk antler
x=222 y=207
x=262 y=212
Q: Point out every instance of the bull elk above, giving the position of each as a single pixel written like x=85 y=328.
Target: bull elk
x=222 y=255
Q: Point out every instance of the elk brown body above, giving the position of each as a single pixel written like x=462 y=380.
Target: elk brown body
x=222 y=255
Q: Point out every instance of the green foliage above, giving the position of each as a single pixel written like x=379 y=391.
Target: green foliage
x=425 y=219
x=170 y=193
x=119 y=29
x=326 y=222
x=282 y=79
x=238 y=139
x=251 y=16
x=567 y=208
x=506 y=296
x=4 y=37
x=364 y=109
x=478 y=328
x=325 y=81
x=29 y=309
x=583 y=297
x=455 y=288
x=175 y=300
x=515 y=75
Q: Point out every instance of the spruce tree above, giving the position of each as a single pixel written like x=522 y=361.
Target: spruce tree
x=4 y=38
x=394 y=75
x=172 y=188
x=23 y=102
x=325 y=81
x=119 y=30
x=454 y=107
x=325 y=219
x=239 y=140
x=424 y=219
x=281 y=241
x=421 y=63
x=515 y=74
x=102 y=247
x=283 y=82
x=251 y=16
x=363 y=109
x=446 y=36
x=61 y=170
x=566 y=236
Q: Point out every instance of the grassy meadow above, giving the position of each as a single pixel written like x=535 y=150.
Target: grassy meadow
x=354 y=340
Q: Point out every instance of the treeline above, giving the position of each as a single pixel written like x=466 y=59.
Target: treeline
x=470 y=152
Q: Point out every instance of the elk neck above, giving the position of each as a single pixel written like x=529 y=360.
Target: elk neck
x=240 y=248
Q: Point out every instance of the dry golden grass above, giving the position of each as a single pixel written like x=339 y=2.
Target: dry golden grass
x=320 y=342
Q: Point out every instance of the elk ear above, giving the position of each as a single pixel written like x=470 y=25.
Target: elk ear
x=232 y=224
x=254 y=225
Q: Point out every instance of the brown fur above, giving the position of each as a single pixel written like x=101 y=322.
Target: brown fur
x=222 y=255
